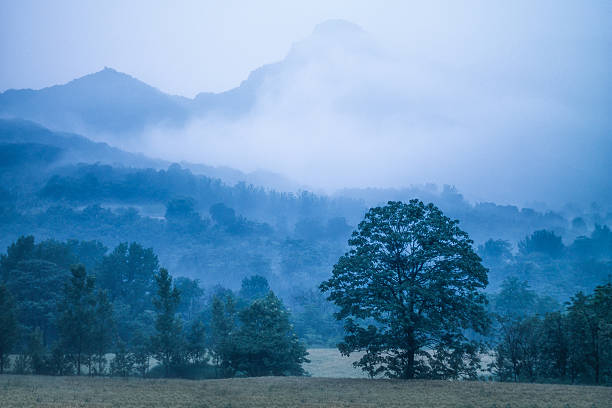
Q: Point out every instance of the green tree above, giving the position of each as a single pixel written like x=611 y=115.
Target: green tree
x=517 y=354
x=167 y=342
x=8 y=326
x=191 y=296
x=223 y=323
x=77 y=314
x=515 y=299
x=196 y=343
x=36 y=352
x=103 y=330
x=266 y=343
x=254 y=287
x=554 y=346
x=123 y=362
x=542 y=242
x=412 y=274
x=141 y=347
x=590 y=321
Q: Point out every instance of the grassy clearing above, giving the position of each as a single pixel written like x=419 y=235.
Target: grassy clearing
x=28 y=391
x=329 y=363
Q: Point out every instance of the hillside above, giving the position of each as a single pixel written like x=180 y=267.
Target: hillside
x=26 y=391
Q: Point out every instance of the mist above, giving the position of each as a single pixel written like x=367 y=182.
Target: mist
x=342 y=110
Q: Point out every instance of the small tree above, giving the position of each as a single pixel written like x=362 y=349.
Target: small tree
x=77 y=313
x=196 y=343
x=266 y=344
x=8 y=326
x=123 y=362
x=413 y=272
x=141 y=351
x=36 y=352
x=167 y=342
x=542 y=242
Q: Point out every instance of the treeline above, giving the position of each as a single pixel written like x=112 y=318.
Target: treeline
x=550 y=266
x=128 y=316
x=570 y=345
x=77 y=307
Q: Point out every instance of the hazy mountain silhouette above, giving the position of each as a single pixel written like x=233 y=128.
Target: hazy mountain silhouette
x=104 y=102
x=113 y=103
x=24 y=141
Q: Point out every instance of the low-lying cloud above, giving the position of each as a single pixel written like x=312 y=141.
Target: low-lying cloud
x=341 y=111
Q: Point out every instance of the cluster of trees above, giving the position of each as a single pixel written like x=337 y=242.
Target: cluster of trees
x=197 y=223
x=130 y=317
x=410 y=293
x=548 y=264
x=540 y=341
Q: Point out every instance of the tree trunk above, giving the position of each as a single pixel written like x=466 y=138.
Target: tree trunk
x=410 y=368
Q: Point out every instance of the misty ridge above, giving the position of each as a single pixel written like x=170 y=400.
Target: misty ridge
x=341 y=103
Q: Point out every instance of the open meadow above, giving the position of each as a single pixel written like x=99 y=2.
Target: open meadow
x=39 y=391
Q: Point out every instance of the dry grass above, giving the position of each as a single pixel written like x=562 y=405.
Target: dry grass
x=329 y=363
x=28 y=391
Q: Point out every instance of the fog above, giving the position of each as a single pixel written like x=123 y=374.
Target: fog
x=509 y=102
x=342 y=110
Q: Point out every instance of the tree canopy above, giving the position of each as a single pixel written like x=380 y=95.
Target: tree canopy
x=408 y=289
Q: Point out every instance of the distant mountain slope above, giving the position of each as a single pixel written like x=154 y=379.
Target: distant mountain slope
x=71 y=148
x=104 y=102
x=22 y=140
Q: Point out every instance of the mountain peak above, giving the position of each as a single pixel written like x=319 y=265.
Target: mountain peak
x=336 y=27
x=107 y=74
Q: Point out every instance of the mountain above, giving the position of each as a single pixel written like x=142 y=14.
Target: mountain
x=69 y=147
x=106 y=102
x=110 y=103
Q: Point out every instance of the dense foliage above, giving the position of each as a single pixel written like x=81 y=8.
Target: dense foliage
x=408 y=289
x=573 y=345
x=128 y=316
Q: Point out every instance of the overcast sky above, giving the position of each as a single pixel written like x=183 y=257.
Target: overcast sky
x=186 y=47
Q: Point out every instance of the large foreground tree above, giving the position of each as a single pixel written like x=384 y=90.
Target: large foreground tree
x=409 y=290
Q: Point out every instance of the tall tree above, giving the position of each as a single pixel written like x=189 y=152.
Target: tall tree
x=8 y=326
x=223 y=323
x=77 y=314
x=103 y=330
x=167 y=342
x=413 y=272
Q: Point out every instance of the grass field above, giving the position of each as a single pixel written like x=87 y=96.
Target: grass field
x=39 y=391
x=329 y=363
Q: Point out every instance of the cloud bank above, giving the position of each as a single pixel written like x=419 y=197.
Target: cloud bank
x=341 y=110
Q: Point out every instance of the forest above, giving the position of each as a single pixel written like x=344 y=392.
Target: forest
x=77 y=307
